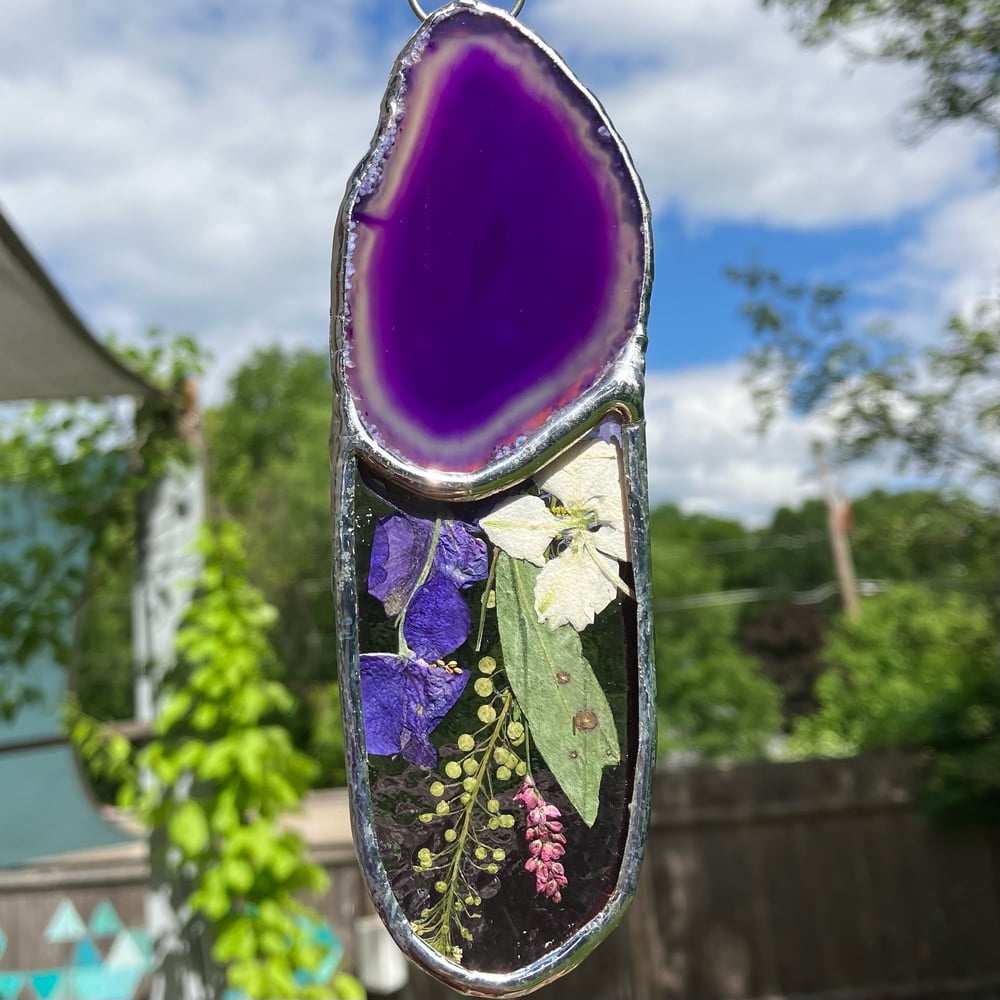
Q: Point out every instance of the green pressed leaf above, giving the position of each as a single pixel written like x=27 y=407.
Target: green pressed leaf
x=568 y=715
x=189 y=829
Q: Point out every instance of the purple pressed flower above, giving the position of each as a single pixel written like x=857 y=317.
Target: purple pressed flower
x=460 y=556
x=399 y=553
x=400 y=550
x=437 y=620
x=418 y=568
x=403 y=698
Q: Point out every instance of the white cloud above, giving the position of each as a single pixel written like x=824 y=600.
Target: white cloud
x=182 y=166
x=956 y=254
x=705 y=455
x=175 y=176
x=729 y=119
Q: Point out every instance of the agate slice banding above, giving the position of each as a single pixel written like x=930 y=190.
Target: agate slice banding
x=496 y=248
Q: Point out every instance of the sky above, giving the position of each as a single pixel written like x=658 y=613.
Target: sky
x=181 y=164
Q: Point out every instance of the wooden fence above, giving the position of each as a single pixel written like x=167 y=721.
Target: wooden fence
x=818 y=880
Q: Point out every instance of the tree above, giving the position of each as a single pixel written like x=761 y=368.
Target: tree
x=277 y=411
x=939 y=539
x=956 y=44
x=916 y=671
x=712 y=699
x=269 y=470
x=936 y=408
x=785 y=638
x=944 y=539
x=924 y=535
x=91 y=465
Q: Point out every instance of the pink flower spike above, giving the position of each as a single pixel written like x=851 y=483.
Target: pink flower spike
x=528 y=795
x=545 y=841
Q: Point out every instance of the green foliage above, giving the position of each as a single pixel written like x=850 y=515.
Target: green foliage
x=41 y=582
x=956 y=44
x=552 y=680
x=84 y=460
x=937 y=409
x=947 y=538
x=109 y=756
x=222 y=772
x=712 y=699
x=269 y=469
x=325 y=743
x=278 y=406
x=916 y=671
x=223 y=777
x=346 y=987
x=922 y=534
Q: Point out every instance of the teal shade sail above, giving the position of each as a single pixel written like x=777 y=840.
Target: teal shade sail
x=47 y=350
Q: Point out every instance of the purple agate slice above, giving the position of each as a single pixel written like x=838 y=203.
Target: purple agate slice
x=496 y=248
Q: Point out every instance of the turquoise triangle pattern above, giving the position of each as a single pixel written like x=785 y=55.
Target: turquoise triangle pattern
x=104 y=984
x=65 y=924
x=10 y=985
x=104 y=920
x=45 y=983
x=85 y=955
x=64 y=988
x=3 y=943
x=125 y=954
x=142 y=941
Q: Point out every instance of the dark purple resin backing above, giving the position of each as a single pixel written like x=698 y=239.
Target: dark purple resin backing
x=517 y=925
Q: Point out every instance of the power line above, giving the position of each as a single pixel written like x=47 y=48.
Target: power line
x=752 y=595
x=755 y=544
x=815 y=595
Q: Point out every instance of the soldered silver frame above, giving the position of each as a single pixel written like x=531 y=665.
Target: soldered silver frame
x=619 y=391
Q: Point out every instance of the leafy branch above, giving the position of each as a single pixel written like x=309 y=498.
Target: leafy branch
x=937 y=409
x=469 y=850
x=222 y=778
x=956 y=44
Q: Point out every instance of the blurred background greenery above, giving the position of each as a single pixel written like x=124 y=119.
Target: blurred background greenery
x=754 y=657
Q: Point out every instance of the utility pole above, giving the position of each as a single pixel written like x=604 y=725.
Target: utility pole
x=837 y=526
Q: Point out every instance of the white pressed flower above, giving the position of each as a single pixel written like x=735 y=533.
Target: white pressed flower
x=589 y=519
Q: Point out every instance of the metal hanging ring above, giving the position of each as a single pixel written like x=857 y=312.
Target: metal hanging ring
x=419 y=11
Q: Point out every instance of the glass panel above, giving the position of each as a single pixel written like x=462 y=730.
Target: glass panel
x=497 y=647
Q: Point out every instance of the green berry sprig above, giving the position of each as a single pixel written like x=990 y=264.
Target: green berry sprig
x=468 y=808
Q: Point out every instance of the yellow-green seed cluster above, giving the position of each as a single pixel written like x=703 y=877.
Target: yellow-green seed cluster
x=469 y=809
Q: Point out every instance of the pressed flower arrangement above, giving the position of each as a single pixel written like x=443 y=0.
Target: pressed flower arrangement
x=495 y=703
